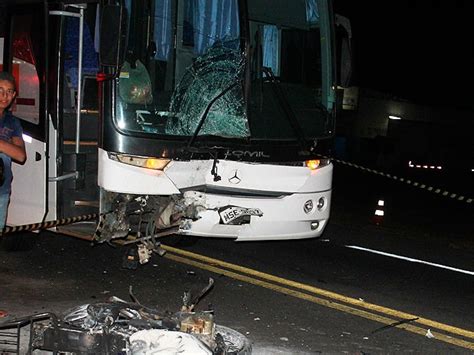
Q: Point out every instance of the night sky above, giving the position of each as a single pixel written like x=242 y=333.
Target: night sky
x=422 y=51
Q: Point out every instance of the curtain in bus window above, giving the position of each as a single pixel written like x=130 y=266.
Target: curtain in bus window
x=270 y=48
x=312 y=13
x=188 y=30
x=128 y=5
x=214 y=20
x=162 y=32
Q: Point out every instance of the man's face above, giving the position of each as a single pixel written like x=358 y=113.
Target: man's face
x=7 y=94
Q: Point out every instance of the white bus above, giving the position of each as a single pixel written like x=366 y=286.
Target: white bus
x=210 y=118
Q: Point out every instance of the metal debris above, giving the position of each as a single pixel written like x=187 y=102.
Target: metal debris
x=189 y=303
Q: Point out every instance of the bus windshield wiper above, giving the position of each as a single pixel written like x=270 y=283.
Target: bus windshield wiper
x=289 y=113
x=206 y=113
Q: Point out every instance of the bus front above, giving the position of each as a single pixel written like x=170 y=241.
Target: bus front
x=218 y=119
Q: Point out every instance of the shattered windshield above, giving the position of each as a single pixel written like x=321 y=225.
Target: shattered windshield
x=186 y=73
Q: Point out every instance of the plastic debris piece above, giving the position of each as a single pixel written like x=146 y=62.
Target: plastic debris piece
x=429 y=334
x=160 y=251
x=130 y=259
x=256 y=319
x=284 y=339
x=3 y=314
x=144 y=253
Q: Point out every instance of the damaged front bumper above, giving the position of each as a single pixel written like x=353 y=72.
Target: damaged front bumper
x=217 y=198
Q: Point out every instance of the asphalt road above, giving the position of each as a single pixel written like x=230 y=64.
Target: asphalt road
x=303 y=297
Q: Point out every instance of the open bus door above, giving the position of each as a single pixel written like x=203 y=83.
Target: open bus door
x=78 y=114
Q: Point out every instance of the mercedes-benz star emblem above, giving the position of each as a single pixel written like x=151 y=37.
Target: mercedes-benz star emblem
x=234 y=179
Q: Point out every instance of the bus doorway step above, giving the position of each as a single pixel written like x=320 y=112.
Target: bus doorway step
x=81 y=230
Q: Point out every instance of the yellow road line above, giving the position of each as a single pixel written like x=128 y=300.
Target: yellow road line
x=373 y=307
x=321 y=301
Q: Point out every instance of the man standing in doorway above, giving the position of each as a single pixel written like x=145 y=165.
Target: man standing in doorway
x=12 y=145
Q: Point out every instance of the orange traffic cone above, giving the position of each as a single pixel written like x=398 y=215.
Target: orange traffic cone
x=379 y=213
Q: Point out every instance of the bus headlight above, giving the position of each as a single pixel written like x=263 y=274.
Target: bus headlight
x=141 y=162
x=316 y=163
x=321 y=203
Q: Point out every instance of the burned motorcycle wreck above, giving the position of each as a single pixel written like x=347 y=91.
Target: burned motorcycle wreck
x=128 y=328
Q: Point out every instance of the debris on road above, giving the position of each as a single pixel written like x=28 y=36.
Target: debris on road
x=117 y=326
x=429 y=334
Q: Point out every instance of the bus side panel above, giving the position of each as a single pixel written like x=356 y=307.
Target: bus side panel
x=28 y=188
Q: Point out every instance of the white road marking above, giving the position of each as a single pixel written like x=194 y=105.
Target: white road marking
x=411 y=259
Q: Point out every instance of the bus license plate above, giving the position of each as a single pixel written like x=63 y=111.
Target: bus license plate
x=235 y=214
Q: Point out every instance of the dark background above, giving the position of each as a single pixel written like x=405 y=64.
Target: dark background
x=421 y=51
